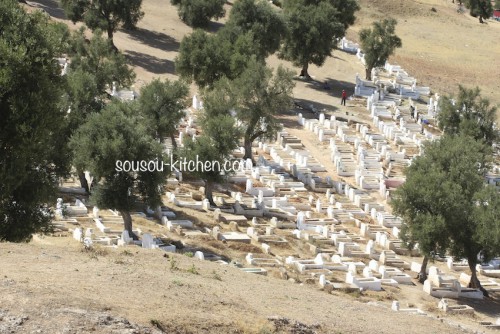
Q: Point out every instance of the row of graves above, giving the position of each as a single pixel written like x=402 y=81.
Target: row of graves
x=287 y=202
x=338 y=234
x=393 y=100
x=288 y=186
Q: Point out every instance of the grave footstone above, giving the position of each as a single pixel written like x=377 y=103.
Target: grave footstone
x=77 y=234
x=199 y=255
x=95 y=212
x=322 y=281
x=300 y=220
x=126 y=239
x=147 y=241
x=87 y=242
x=318 y=206
x=367 y=272
x=216 y=232
x=217 y=215
x=89 y=232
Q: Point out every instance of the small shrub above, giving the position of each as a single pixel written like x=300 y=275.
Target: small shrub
x=157 y=324
x=189 y=254
x=127 y=252
x=216 y=276
x=173 y=264
x=95 y=251
x=177 y=282
x=193 y=270
x=265 y=330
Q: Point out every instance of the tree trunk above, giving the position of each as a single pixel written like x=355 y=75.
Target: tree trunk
x=83 y=181
x=422 y=275
x=110 y=38
x=248 y=148
x=368 y=73
x=174 y=143
x=474 y=281
x=209 y=187
x=481 y=19
x=127 y=222
x=304 y=73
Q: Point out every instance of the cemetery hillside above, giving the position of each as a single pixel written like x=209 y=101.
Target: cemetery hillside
x=249 y=166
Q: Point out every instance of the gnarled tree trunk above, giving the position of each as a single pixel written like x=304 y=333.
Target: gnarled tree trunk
x=422 y=275
x=83 y=181
x=110 y=38
x=127 y=222
x=368 y=73
x=474 y=281
x=174 y=143
x=304 y=73
x=247 y=145
x=209 y=187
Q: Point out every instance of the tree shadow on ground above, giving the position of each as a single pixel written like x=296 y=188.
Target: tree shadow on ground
x=51 y=7
x=213 y=27
x=150 y=63
x=309 y=107
x=488 y=306
x=335 y=87
x=153 y=39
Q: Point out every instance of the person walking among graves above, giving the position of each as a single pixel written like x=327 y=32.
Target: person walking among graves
x=344 y=97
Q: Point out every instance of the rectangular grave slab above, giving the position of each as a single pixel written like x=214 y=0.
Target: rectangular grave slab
x=235 y=236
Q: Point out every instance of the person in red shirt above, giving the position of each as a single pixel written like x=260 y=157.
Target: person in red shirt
x=344 y=97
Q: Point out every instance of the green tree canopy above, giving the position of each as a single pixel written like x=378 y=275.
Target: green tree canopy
x=313 y=29
x=265 y=25
x=198 y=13
x=93 y=68
x=219 y=138
x=203 y=58
x=258 y=97
x=161 y=104
x=482 y=9
x=378 y=43
x=32 y=152
x=106 y=15
x=470 y=114
x=439 y=201
x=97 y=58
x=114 y=135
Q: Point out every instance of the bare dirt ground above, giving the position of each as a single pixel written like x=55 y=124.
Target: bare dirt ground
x=52 y=286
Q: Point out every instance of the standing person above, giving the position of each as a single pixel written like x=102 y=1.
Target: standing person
x=344 y=97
